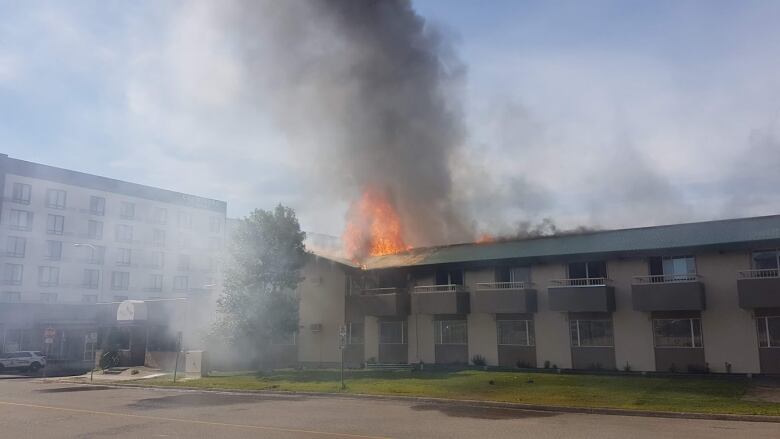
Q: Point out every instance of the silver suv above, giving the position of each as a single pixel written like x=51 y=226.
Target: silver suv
x=24 y=360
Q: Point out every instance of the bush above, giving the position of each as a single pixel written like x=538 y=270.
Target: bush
x=478 y=360
x=594 y=366
x=627 y=367
x=546 y=364
x=523 y=364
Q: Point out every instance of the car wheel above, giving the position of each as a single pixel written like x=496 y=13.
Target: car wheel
x=35 y=367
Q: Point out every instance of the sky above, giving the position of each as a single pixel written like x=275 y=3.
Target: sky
x=599 y=113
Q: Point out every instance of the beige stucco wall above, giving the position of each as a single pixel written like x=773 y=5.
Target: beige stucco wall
x=632 y=329
x=552 y=328
x=321 y=296
x=421 y=346
x=371 y=338
x=482 y=327
x=729 y=332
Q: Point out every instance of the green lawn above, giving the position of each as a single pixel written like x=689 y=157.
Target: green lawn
x=683 y=394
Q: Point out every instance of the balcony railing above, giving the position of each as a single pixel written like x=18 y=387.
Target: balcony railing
x=588 y=282
x=379 y=291
x=452 y=288
x=666 y=278
x=501 y=286
x=759 y=274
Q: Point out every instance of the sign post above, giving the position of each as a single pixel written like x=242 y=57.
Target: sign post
x=178 y=349
x=48 y=339
x=342 y=346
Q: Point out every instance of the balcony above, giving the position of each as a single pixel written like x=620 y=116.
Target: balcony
x=503 y=298
x=382 y=302
x=440 y=299
x=759 y=288
x=582 y=295
x=671 y=292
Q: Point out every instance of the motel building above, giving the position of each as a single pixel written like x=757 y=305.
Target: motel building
x=684 y=298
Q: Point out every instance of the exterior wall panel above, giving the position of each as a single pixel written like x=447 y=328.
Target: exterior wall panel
x=633 y=330
x=322 y=303
x=552 y=327
x=673 y=296
x=421 y=339
x=482 y=337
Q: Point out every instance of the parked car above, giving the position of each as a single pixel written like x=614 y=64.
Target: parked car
x=23 y=360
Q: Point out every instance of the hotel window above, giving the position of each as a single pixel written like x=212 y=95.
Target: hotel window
x=55 y=224
x=11 y=297
x=48 y=276
x=96 y=254
x=768 y=331
x=449 y=277
x=53 y=250
x=49 y=297
x=97 y=205
x=767 y=260
x=590 y=273
x=55 y=198
x=16 y=247
x=89 y=298
x=677 y=333
x=155 y=282
x=513 y=274
x=515 y=332
x=123 y=256
x=591 y=333
x=393 y=332
x=21 y=193
x=158 y=238
x=159 y=215
x=215 y=224
x=120 y=280
x=124 y=233
x=21 y=220
x=180 y=283
x=450 y=332
x=94 y=229
x=157 y=259
x=184 y=263
x=184 y=220
x=671 y=268
x=12 y=274
x=127 y=210
x=91 y=278
x=355 y=333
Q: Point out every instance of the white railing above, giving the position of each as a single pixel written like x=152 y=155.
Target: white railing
x=588 y=282
x=378 y=291
x=452 y=288
x=500 y=286
x=759 y=274
x=666 y=278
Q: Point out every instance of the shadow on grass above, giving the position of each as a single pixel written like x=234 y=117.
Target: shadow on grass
x=308 y=376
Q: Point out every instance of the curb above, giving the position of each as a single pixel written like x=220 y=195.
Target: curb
x=463 y=402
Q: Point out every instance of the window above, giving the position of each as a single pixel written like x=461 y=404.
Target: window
x=49 y=297
x=588 y=270
x=768 y=331
x=184 y=240
x=450 y=332
x=124 y=233
x=393 y=332
x=767 y=260
x=96 y=254
x=15 y=247
x=97 y=205
x=21 y=193
x=94 y=229
x=21 y=220
x=672 y=268
x=48 y=276
x=515 y=332
x=184 y=220
x=53 y=250
x=355 y=333
x=127 y=210
x=449 y=277
x=90 y=340
x=55 y=198
x=677 y=333
x=120 y=280
x=158 y=238
x=157 y=259
x=123 y=256
x=91 y=278
x=12 y=274
x=155 y=282
x=591 y=333
x=89 y=298
x=180 y=283
x=55 y=224
x=119 y=338
x=184 y=262
x=159 y=215
x=513 y=274
x=11 y=297
x=215 y=224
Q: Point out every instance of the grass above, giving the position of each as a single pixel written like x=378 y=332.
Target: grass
x=678 y=394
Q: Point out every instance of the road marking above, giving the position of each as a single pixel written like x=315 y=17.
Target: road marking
x=192 y=421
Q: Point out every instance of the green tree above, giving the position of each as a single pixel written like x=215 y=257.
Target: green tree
x=263 y=270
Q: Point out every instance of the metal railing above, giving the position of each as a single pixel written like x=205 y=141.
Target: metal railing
x=452 y=288
x=587 y=282
x=666 y=278
x=501 y=286
x=378 y=291
x=759 y=274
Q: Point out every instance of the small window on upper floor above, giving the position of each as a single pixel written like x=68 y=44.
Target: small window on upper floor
x=184 y=220
x=123 y=256
x=513 y=274
x=159 y=215
x=124 y=233
x=127 y=210
x=55 y=224
x=21 y=193
x=215 y=224
x=21 y=220
x=588 y=270
x=449 y=276
x=11 y=297
x=49 y=297
x=16 y=247
x=55 y=198
x=766 y=260
x=53 y=250
x=97 y=205
x=673 y=267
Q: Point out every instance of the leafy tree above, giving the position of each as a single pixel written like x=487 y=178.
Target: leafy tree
x=264 y=268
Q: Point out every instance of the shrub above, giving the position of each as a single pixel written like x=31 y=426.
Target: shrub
x=478 y=360
x=594 y=366
x=523 y=364
x=627 y=367
x=546 y=364
x=728 y=367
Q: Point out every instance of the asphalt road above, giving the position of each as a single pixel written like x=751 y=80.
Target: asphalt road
x=34 y=408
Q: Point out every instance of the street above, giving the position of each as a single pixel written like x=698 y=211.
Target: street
x=34 y=408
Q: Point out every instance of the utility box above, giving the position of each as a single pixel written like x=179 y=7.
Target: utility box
x=193 y=364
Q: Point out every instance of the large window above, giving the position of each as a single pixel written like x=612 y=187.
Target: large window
x=515 y=332
x=12 y=274
x=21 y=220
x=53 y=250
x=155 y=282
x=97 y=205
x=184 y=220
x=451 y=332
x=96 y=254
x=513 y=274
x=55 y=224
x=767 y=260
x=159 y=215
x=158 y=237
x=124 y=233
x=123 y=256
x=449 y=277
x=120 y=280
x=180 y=283
x=591 y=333
x=11 y=297
x=21 y=193
x=677 y=333
x=127 y=210
x=55 y=198
x=393 y=332
x=91 y=278
x=768 y=331
x=355 y=333
x=48 y=276
x=673 y=267
x=16 y=247
x=588 y=270
x=94 y=229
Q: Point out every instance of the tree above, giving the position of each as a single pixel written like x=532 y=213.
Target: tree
x=264 y=268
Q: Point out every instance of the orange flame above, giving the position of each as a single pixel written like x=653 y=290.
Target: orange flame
x=486 y=238
x=373 y=227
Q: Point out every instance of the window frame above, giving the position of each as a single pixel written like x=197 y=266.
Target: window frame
x=55 y=224
x=438 y=332
x=15 y=253
x=95 y=229
x=56 y=202
x=18 y=188
x=120 y=280
x=530 y=332
x=14 y=280
x=768 y=333
x=579 y=333
x=97 y=205
x=53 y=272
x=15 y=220
x=692 y=333
x=404 y=332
